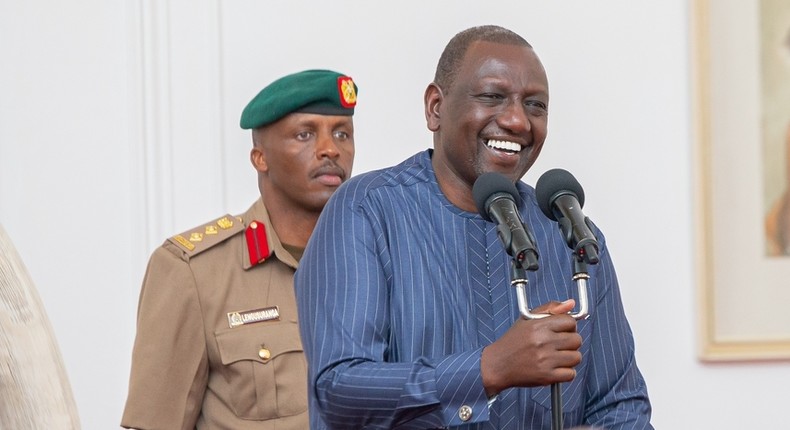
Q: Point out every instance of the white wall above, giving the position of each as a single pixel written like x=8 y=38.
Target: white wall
x=119 y=127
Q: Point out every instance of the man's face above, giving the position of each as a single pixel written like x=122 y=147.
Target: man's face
x=303 y=158
x=494 y=116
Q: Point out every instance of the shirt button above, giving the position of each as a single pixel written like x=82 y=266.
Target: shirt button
x=265 y=354
x=465 y=413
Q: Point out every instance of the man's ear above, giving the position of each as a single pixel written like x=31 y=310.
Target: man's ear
x=433 y=102
x=258 y=158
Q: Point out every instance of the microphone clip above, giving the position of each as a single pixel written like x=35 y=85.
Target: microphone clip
x=585 y=250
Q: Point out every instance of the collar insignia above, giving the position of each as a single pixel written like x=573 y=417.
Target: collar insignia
x=257 y=244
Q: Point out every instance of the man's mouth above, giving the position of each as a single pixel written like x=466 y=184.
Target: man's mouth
x=504 y=146
x=330 y=180
x=330 y=175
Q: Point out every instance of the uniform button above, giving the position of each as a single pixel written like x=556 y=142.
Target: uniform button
x=264 y=353
x=465 y=413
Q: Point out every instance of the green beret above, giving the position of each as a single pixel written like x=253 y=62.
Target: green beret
x=322 y=92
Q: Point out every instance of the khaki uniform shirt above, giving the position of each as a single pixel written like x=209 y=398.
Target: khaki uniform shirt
x=218 y=343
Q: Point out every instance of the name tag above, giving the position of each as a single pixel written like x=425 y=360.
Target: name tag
x=238 y=318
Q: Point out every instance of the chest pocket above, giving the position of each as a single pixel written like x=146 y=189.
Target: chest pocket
x=265 y=369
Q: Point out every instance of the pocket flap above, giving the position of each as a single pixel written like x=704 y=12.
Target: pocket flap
x=245 y=343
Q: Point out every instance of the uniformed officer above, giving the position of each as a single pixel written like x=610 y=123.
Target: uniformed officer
x=217 y=343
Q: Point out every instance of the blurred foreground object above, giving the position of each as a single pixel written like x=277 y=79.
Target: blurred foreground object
x=34 y=389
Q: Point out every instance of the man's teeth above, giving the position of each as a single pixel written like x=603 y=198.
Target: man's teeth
x=504 y=145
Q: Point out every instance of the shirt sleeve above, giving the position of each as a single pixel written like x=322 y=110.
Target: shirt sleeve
x=617 y=394
x=169 y=361
x=356 y=377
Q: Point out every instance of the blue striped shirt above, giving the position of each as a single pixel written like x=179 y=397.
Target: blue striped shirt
x=399 y=291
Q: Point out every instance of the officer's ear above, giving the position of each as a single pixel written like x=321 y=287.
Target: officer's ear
x=257 y=154
x=258 y=159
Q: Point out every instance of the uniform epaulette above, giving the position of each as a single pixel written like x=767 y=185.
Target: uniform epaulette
x=203 y=237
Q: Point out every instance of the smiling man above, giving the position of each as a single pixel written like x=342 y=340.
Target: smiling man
x=218 y=343
x=407 y=313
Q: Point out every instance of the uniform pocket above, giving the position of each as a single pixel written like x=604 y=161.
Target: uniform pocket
x=265 y=368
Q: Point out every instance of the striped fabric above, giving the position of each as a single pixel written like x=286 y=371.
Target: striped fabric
x=399 y=291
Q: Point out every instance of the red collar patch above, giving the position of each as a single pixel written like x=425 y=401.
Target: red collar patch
x=257 y=244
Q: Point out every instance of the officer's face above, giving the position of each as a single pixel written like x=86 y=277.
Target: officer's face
x=493 y=118
x=303 y=158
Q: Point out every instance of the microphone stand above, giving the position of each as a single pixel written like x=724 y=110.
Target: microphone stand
x=519 y=280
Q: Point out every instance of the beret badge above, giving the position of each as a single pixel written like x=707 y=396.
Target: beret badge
x=348 y=95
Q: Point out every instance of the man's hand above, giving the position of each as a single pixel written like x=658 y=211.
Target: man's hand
x=534 y=352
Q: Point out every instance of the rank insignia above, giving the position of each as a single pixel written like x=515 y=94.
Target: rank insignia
x=206 y=236
x=238 y=318
x=225 y=223
x=257 y=243
x=185 y=243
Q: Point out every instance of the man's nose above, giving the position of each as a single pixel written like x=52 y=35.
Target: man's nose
x=514 y=118
x=326 y=147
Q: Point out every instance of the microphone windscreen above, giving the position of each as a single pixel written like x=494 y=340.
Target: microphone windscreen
x=489 y=184
x=555 y=183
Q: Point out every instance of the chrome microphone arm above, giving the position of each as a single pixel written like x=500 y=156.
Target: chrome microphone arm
x=519 y=280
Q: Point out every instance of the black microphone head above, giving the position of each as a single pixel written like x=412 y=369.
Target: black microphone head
x=489 y=185
x=555 y=183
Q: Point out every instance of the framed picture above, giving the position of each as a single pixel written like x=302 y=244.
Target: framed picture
x=741 y=63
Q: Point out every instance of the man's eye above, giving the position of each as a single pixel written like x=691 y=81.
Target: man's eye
x=535 y=104
x=303 y=135
x=491 y=96
x=341 y=135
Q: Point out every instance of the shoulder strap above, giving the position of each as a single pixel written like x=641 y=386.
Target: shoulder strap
x=203 y=237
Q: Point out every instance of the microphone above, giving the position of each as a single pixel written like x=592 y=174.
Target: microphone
x=497 y=201
x=561 y=197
